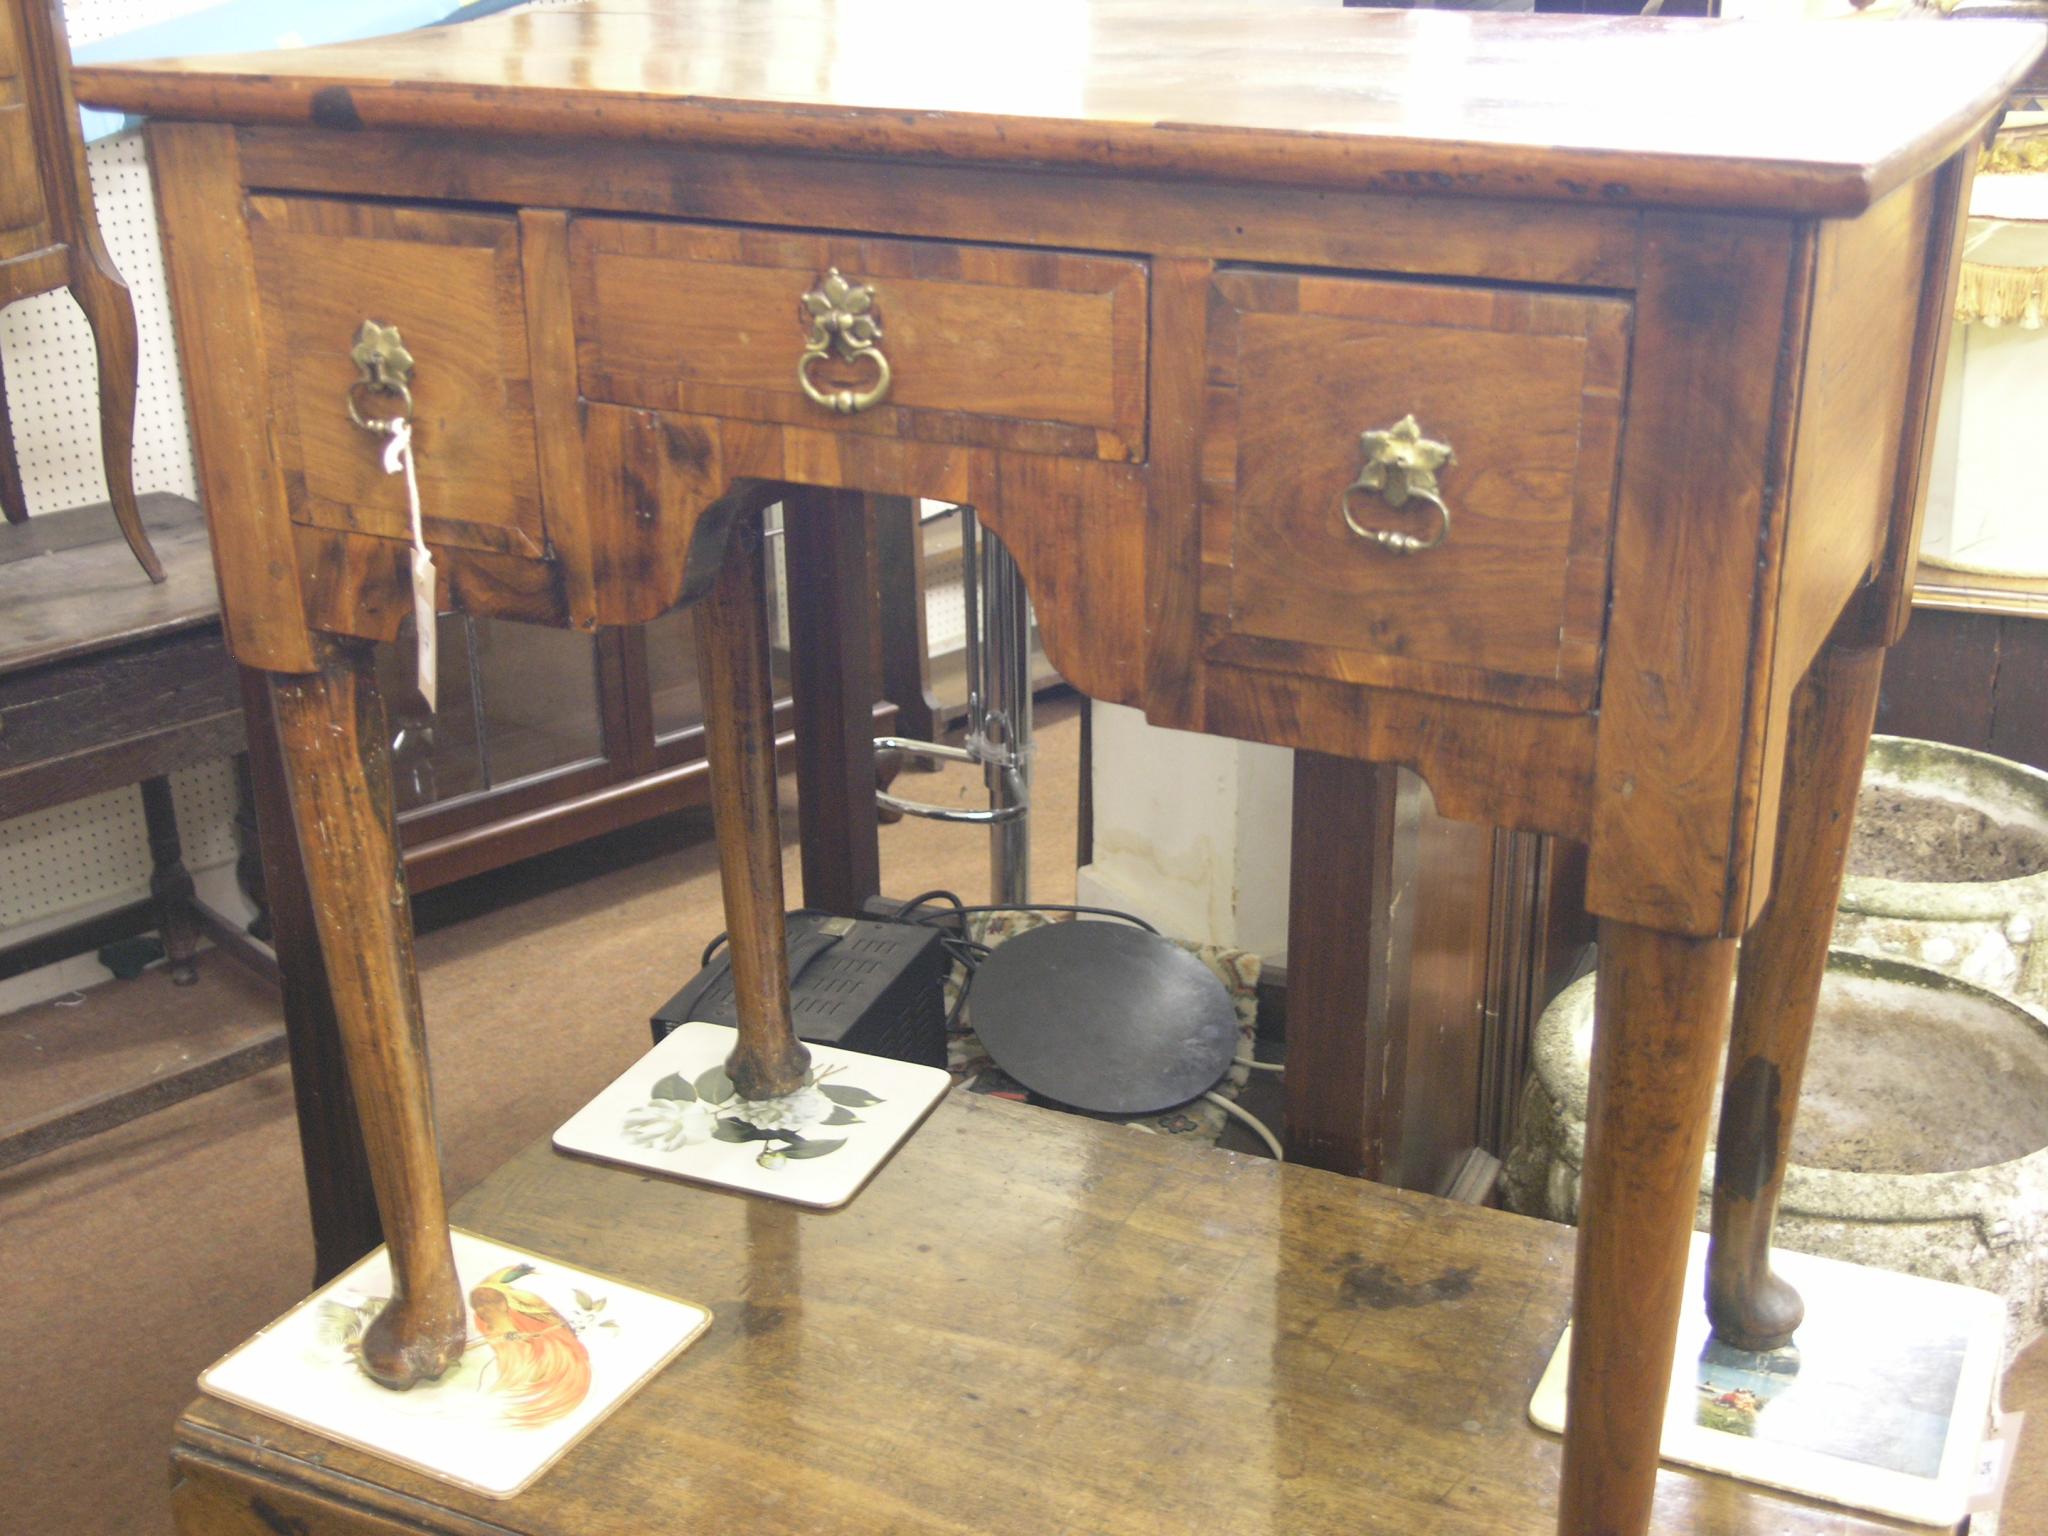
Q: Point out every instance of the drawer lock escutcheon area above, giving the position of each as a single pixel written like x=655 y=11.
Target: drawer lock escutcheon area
x=383 y=367
x=1400 y=466
x=843 y=323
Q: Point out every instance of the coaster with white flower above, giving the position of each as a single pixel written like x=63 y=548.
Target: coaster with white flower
x=674 y=1111
x=552 y=1350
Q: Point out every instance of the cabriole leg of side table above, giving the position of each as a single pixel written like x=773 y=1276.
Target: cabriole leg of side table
x=1659 y=1017
x=1778 y=981
x=110 y=312
x=739 y=743
x=331 y=727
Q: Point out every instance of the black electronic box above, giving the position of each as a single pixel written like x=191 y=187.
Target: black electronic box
x=873 y=987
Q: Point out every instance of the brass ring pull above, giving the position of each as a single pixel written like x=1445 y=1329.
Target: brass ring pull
x=845 y=401
x=1401 y=543
x=383 y=367
x=843 y=324
x=1400 y=466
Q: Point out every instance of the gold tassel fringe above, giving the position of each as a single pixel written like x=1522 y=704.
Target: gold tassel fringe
x=1996 y=296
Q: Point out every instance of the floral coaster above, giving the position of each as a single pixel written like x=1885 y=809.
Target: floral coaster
x=1881 y=1402
x=674 y=1112
x=552 y=1350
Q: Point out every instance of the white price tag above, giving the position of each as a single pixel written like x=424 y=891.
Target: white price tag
x=425 y=616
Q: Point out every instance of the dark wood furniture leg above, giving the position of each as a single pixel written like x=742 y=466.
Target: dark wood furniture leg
x=249 y=877
x=13 y=499
x=1660 y=1013
x=1344 y=1070
x=739 y=740
x=825 y=541
x=340 y=1197
x=1778 y=980
x=906 y=643
x=332 y=729
x=170 y=883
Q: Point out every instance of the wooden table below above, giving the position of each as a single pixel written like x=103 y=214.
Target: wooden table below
x=1028 y=1323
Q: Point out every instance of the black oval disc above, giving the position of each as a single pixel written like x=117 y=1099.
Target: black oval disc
x=1104 y=1017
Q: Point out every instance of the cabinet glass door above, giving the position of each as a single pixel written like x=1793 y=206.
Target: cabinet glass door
x=517 y=702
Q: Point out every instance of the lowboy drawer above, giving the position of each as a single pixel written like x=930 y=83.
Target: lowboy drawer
x=1036 y=351
x=450 y=283
x=1524 y=388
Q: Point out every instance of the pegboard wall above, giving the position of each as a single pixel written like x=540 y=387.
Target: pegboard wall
x=93 y=854
x=53 y=380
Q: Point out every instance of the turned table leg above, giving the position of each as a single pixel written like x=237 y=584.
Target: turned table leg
x=1660 y=1009
x=170 y=883
x=739 y=735
x=1778 y=980
x=331 y=727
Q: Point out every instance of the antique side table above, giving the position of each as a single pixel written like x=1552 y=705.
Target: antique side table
x=1537 y=402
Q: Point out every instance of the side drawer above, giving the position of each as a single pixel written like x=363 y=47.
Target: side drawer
x=450 y=283
x=1035 y=351
x=1524 y=388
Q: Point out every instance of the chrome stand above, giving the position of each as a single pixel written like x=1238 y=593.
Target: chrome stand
x=998 y=712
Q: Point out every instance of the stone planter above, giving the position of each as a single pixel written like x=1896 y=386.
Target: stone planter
x=1949 y=867
x=1921 y=1143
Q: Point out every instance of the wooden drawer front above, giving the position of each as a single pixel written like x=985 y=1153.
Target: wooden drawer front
x=1524 y=387
x=450 y=283
x=1037 y=351
x=21 y=187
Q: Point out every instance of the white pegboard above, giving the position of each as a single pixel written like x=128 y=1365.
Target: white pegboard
x=53 y=378
x=95 y=853
x=87 y=21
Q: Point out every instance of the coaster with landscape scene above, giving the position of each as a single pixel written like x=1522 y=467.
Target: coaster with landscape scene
x=553 y=1349
x=674 y=1111
x=1881 y=1402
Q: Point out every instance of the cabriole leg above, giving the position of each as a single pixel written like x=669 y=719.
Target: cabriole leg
x=1659 y=1017
x=331 y=728
x=111 y=314
x=1777 y=989
x=739 y=736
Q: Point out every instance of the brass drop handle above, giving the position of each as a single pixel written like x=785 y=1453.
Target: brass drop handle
x=1400 y=465
x=383 y=367
x=843 y=323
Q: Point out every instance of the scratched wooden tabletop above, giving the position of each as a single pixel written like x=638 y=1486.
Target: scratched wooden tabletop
x=1034 y=1323
x=1811 y=117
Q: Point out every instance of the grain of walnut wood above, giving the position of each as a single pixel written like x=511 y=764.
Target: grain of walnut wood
x=332 y=731
x=1777 y=989
x=739 y=744
x=1781 y=256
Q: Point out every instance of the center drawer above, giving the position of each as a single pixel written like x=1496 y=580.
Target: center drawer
x=1035 y=351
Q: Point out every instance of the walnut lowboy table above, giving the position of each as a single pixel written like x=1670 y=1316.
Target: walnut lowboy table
x=1540 y=403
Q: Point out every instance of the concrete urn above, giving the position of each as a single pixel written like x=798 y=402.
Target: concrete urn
x=1949 y=866
x=1921 y=1143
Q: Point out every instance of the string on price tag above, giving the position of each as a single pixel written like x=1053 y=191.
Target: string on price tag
x=398 y=459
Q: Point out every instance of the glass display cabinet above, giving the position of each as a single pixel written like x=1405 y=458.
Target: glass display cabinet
x=545 y=737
